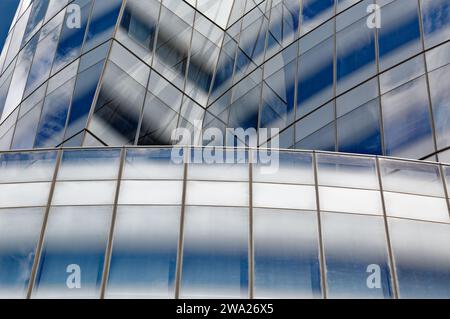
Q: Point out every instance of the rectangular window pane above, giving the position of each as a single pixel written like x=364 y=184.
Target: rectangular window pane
x=440 y=99
x=355 y=62
x=237 y=170
x=407 y=122
x=350 y=200
x=153 y=164
x=102 y=22
x=293 y=168
x=73 y=253
x=436 y=21
x=27 y=167
x=416 y=207
x=215 y=253
x=422 y=258
x=286 y=254
x=411 y=177
x=399 y=38
x=19 y=233
x=24 y=195
x=84 y=193
x=89 y=164
x=284 y=196
x=348 y=171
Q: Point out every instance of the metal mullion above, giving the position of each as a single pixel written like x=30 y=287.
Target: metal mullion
x=388 y=237
x=108 y=252
x=323 y=273
x=40 y=243
x=251 y=244
x=179 y=260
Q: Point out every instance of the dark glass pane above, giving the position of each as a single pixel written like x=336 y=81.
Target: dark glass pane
x=83 y=96
x=54 y=115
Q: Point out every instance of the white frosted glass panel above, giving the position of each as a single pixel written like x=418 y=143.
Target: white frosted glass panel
x=89 y=164
x=152 y=164
x=218 y=11
x=295 y=168
x=416 y=207
x=75 y=237
x=84 y=193
x=352 y=243
x=19 y=233
x=284 y=196
x=350 y=201
x=27 y=167
x=151 y=192
x=411 y=177
x=217 y=193
x=143 y=261
x=24 y=195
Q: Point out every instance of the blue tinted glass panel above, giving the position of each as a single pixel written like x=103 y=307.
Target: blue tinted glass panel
x=19 y=233
x=215 y=255
x=399 y=37
x=54 y=116
x=356 y=248
x=315 y=12
x=286 y=254
x=421 y=258
x=407 y=123
x=359 y=131
x=83 y=96
x=436 y=21
x=102 y=22
x=315 y=77
x=355 y=55
x=440 y=99
x=143 y=262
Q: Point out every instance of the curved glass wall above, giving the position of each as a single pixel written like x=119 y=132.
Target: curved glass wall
x=318 y=70
x=133 y=222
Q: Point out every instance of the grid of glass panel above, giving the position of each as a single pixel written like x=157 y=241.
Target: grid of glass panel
x=135 y=70
x=132 y=223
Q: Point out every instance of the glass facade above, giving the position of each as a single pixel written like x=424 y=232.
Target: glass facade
x=132 y=71
x=140 y=226
x=93 y=205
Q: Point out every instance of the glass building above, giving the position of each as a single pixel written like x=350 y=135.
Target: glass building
x=92 y=204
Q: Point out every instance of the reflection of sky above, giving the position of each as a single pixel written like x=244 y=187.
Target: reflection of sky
x=7 y=9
